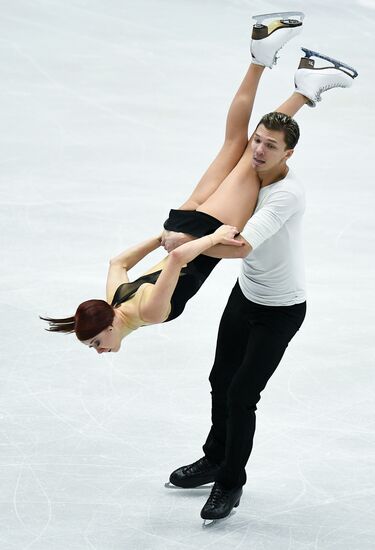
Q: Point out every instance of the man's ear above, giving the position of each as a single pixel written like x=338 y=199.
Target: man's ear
x=288 y=153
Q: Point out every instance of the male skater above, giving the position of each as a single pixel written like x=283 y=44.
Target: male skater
x=267 y=305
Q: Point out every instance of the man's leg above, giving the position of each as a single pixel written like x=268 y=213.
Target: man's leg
x=230 y=352
x=231 y=346
x=269 y=330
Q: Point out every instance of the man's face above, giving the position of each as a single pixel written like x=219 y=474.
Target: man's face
x=269 y=149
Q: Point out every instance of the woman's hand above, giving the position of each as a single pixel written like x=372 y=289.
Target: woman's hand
x=225 y=234
x=171 y=239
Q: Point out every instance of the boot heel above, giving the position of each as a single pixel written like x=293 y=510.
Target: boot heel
x=237 y=503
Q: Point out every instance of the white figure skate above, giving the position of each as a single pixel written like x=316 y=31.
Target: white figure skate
x=312 y=81
x=267 y=40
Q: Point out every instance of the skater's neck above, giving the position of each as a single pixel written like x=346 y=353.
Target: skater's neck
x=274 y=175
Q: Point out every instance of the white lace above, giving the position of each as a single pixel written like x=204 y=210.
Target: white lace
x=327 y=87
x=275 y=58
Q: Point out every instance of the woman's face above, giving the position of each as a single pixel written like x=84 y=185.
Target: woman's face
x=105 y=342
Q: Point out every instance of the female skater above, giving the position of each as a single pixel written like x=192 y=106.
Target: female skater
x=218 y=209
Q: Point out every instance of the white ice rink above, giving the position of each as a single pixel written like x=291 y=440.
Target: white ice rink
x=110 y=112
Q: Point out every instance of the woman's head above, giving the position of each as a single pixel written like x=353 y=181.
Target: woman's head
x=93 y=325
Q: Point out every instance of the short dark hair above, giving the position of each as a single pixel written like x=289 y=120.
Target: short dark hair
x=283 y=123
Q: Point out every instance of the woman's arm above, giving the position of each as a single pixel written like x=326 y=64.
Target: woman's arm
x=172 y=240
x=120 y=265
x=156 y=302
x=131 y=256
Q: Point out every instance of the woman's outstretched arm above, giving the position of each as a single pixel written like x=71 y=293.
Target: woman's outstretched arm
x=120 y=265
x=131 y=256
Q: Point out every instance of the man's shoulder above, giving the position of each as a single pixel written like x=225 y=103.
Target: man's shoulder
x=290 y=185
x=287 y=194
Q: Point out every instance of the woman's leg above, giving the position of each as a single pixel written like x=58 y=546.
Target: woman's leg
x=292 y=105
x=234 y=200
x=236 y=139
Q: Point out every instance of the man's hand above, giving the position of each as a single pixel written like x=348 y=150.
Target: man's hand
x=171 y=239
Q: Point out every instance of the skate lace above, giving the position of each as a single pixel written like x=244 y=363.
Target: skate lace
x=217 y=495
x=195 y=467
x=276 y=57
x=328 y=87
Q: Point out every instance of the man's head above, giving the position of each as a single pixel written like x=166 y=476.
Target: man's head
x=273 y=141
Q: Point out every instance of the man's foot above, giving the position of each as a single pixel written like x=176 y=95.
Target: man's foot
x=311 y=81
x=221 y=502
x=268 y=39
x=199 y=473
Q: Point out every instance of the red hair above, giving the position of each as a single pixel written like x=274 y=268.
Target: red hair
x=89 y=320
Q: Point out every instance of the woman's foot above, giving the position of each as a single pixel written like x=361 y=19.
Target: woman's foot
x=268 y=39
x=311 y=81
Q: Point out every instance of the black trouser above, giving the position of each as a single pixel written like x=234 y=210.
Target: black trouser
x=251 y=341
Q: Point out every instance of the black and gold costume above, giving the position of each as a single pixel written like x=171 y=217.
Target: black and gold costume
x=193 y=275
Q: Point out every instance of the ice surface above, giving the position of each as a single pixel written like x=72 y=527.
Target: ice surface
x=110 y=112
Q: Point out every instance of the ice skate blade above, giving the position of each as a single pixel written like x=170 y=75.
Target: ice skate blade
x=207 y=522
x=211 y=522
x=170 y=485
x=284 y=15
x=335 y=62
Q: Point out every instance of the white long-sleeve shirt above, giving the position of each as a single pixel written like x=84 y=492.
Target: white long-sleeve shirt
x=273 y=273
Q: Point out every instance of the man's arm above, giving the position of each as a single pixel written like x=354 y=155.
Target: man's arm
x=280 y=206
x=230 y=252
x=261 y=226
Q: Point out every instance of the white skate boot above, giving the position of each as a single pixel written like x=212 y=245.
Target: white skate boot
x=311 y=81
x=267 y=40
